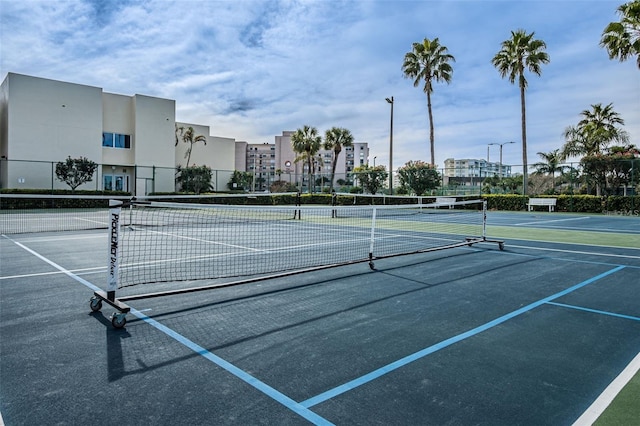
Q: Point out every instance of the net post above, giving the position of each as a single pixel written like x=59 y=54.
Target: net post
x=115 y=210
x=484 y=219
x=373 y=229
x=334 y=202
x=297 y=213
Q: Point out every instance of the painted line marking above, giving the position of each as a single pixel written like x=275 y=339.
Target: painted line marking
x=551 y=221
x=590 y=253
x=40 y=274
x=331 y=393
x=595 y=311
x=601 y=403
x=241 y=374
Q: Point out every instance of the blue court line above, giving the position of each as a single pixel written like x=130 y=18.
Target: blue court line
x=445 y=343
x=241 y=374
x=595 y=311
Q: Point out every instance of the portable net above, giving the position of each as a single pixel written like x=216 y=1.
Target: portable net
x=162 y=242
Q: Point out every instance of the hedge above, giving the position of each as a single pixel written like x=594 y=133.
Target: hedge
x=508 y=202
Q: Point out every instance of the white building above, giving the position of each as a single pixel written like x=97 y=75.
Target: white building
x=471 y=167
x=132 y=138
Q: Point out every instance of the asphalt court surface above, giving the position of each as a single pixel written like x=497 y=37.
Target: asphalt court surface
x=529 y=335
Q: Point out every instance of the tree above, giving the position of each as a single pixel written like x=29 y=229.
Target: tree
x=189 y=136
x=518 y=53
x=240 y=180
x=306 y=143
x=371 y=178
x=195 y=179
x=75 y=171
x=612 y=169
x=550 y=165
x=622 y=39
x=419 y=176
x=428 y=61
x=334 y=140
x=598 y=127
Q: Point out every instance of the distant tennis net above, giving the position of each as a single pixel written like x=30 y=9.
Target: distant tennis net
x=26 y=213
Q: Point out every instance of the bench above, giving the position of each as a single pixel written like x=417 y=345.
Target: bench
x=551 y=202
x=446 y=201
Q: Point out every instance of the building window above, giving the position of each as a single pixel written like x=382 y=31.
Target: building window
x=115 y=183
x=116 y=140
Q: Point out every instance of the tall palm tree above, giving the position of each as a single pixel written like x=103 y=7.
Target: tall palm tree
x=428 y=61
x=335 y=139
x=519 y=53
x=189 y=136
x=306 y=142
x=622 y=39
x=597 y=129
x=550 y=164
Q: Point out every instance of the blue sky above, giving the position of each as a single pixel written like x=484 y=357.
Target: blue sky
x=250 y=69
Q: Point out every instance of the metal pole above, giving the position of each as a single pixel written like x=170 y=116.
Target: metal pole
x=390 y=100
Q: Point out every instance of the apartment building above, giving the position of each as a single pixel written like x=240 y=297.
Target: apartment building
x=132 y=138
x=471 y=167
x=277 y=161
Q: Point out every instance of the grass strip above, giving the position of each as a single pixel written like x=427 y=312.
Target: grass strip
x=625 y=408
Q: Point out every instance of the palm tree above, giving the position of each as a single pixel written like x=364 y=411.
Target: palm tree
x=428 y=61
x=597 y=129
x=518 y=53
x=306 y=142
x=622 y=39
x=189 y=136
x=335 y=139
x=550 y=165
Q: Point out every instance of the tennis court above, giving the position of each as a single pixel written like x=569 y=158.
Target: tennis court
x=531 y=334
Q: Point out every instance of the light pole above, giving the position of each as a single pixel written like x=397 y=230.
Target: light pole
x=500 y=163
x=374 y=161
x=390 y=100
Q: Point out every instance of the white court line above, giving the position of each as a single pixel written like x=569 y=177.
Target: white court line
x=183 y=237
x=604 y=400
x=552 y=220
x=590 y=253
x=41 y=274
x=62 y=238
x=231 y=368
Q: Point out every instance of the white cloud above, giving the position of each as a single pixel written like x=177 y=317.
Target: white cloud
x=254 y=68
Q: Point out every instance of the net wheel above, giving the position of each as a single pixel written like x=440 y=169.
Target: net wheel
x=95 y=304
x=372 y=266
x=118 y=320
x=501 y=246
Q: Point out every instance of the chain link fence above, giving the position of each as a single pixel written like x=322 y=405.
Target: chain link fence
x=611 y=177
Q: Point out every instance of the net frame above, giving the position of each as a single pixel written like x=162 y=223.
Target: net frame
x=117 y=213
